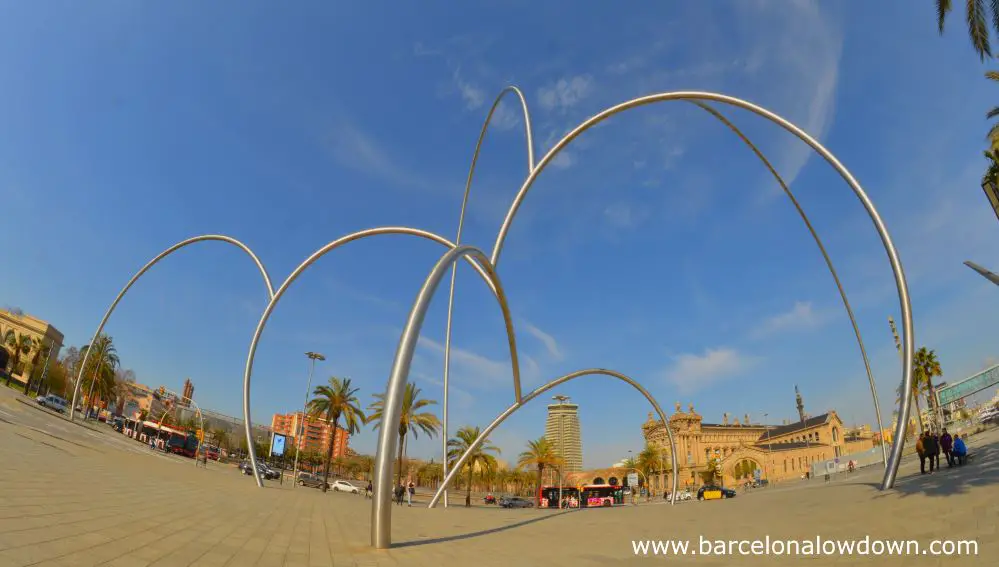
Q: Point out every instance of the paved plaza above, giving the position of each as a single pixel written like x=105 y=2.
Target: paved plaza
x=79 y=495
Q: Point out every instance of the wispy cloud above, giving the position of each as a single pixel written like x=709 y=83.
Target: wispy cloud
x=624 y=216
x=551 y=345
x=800 y=317
x=692 y=372
x=482 y=369
x=355 y=149
x=472 y=95
x=563 y=94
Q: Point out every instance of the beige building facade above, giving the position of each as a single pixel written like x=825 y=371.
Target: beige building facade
x=38 y=340
x=735 y=449
x=316 y=435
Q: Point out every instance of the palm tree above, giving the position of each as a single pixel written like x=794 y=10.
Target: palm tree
x=330 y=403
x=977 y=18
x=221 y=438
x=539 y=454
x=19 y=345
x=918 y=389
x=40 y=351
x=925 y=368
x=409 y=419
x=479 y=458
x=99 y=375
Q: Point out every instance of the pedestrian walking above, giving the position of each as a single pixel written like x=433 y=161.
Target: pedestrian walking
x=947 y=447
x=411 y=490
x=399 y=491
x=367 y=490
x=921 y=451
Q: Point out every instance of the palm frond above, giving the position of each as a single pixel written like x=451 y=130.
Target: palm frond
x=978 y=28
x=995 y=15
x=943 y=6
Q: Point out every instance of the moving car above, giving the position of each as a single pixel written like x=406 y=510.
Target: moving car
x=311 y=480
x=343 y=485
x=515 y=502
x=265 y=471
x=52 y=402
x=712 y=492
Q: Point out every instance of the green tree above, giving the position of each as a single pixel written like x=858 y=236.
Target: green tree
x=479 y=458
x=101 y=368
x=925 y=367
x=220 y=437
x=39 y=354
x=411 y=420
x=19 y=345
x=331 y=402
x=978 y=16
x=539 y=454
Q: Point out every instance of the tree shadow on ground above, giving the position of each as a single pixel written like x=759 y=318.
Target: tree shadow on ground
x=980 y=470
x=480 y=532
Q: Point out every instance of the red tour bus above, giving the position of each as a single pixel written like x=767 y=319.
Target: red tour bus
x=586 y=496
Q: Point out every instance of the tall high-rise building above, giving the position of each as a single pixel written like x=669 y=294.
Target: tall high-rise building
x=562 y=431
x=188 y=395
x=317 y=434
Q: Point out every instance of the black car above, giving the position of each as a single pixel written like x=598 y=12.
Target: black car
x=265 y=471
x=306 y=479
x=725 y=492
x=515 y=502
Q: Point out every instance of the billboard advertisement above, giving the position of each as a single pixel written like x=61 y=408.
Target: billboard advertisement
x=277 y=444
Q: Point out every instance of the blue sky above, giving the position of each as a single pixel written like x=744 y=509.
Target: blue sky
x=656 y=245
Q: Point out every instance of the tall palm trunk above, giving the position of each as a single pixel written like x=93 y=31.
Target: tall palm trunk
x=541 y=471
x=329 y=452
x=919 y=413
x=468 y=493
x=402 y=445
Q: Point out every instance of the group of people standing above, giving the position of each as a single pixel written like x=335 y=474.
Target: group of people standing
x=405 y=491
x=930 y=445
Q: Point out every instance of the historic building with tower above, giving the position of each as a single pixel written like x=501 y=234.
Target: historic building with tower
x=736 y=447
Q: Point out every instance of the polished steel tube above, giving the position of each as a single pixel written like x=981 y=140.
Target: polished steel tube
x=361 y=234
x=894 y=458
x=381 y=511
x=832 y=270
x=457 y=241
x=150 y=264
x=542 y=389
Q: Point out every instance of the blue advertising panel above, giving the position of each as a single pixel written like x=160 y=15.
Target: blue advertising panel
x=277 y=446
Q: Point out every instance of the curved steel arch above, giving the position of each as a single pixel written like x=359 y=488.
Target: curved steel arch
x=485 y=270
x=381 y=525
x=150 y=264
x=457 y=240
x=825 y=255
x=542 y=389
x=893 y=257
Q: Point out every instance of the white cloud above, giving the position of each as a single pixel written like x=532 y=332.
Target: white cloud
x=624 y=216
x=563 y=160
x=690 y=372
x=478 y=367
x=551 y=345
x=801 y=316
x=473 y=96
x=565 y=93
x=355 y=149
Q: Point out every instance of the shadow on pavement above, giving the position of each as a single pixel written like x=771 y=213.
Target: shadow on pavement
x=981 y=470
x=480 y=532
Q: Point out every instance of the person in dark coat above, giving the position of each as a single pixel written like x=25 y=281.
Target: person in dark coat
x=921 y=451
x=400 y=491
x=932 y=446
x=947 y=447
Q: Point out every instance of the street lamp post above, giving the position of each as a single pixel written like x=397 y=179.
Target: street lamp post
x=313 y=356
x=561 y=443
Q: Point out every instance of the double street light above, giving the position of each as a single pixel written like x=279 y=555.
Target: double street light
x=300 y=433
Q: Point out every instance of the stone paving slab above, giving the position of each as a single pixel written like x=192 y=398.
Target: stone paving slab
x=80 y=496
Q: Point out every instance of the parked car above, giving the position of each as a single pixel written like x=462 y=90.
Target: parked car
x=712 y=492
x=515 y=502
x=212 y=453
x=344 y=486
x=52 y=402
x=311 y=480
x=265 y=470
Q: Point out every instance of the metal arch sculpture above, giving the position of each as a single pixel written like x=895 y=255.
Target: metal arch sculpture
x=893 y=257
x=542 y=389
x=825 y=256
x=150 y=264
x=484 y=270
x=457 y=241
x=381 y=507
